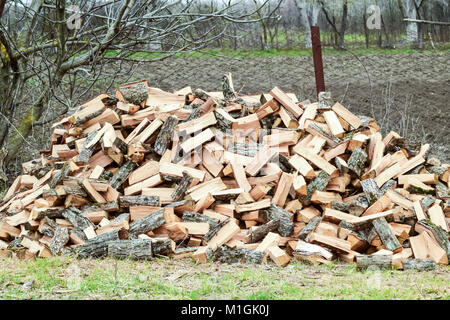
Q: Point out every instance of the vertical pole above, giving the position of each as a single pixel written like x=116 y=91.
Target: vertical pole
x=317 y=56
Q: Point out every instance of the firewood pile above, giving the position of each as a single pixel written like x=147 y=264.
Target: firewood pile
x=230 y=178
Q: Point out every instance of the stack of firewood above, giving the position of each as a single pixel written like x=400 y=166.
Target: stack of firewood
x=222 y=177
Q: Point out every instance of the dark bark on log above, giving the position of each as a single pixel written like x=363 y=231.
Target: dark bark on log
x=309 y=228
x=86 y=153
x=88 y=117
x=212 y=231
x=195 y=114
x=79 y=233
x=347 y=225
x=182 y=186
x=140 y=200
x=59 y=176
x=386 y=235
x=201 y=94
x=227 y=197
x=340 y=206
x=261 y=231
x=267 y=122
x=60 y=238
x=427 y=202
x=76 y=191
x=122 y=174
x=245 y=149
x=198 y=217
x=419 y=264
x=412 y=147
x=165 y=135
x=222 y=123
x=360 y=203
x=162 y=246
x=357 y=160
x=371 y=190
x=390 y=184
x=286 y=225
x=332 y=141
x=342 y=169
x=51 y=213
x=169 y=178
x=121 y=145
x=190 y=250
x=188 y=204
x=253 y=256
x=77 y=219
x=225 y=254
x=98 y=247
x=319 y=183
x=227 y=87
x=110 y=206
x=135 y=94
x=440 y=234
x=148 y=223
x=138 y=249
x=121 y=217
x=442 y=191
x=284 y=164
x=373 y=261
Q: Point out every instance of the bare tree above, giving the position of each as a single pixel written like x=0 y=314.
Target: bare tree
x=49 y=47
x=331 y=20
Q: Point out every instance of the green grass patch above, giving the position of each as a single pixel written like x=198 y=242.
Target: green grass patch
x=60 y=278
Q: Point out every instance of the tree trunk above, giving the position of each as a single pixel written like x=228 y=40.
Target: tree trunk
x=366 y=30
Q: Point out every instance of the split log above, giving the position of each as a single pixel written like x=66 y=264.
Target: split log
x=286 y=226
x=258 y=233
x=435 y=232
x=319 y=183
x=371 y=190
x=373 y=262
x=98 y=247
x=239 y=255
x=308 y=250
x=197 y=217
x=182 y=186
x=165 y=135
x=357 y=160
x=77 y=219
x=122 y=174
x=309 y=228
x=59 y=239
x=148 y=223
x=140 y=200
x=386 y=235
x=136 y=249
x=162 y=246
x=419 y=264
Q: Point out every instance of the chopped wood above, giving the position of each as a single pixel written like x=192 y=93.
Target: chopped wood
x=142 y=178
x=286 y=101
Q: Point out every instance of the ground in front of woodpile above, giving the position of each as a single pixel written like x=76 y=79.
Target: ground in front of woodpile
x=63 y=278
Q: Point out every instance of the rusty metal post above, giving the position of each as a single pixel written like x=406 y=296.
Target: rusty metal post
x=317 y=56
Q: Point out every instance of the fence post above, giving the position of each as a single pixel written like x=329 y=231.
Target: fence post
x=317 y=56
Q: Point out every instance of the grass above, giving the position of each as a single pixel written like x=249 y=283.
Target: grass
x=61 y=278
